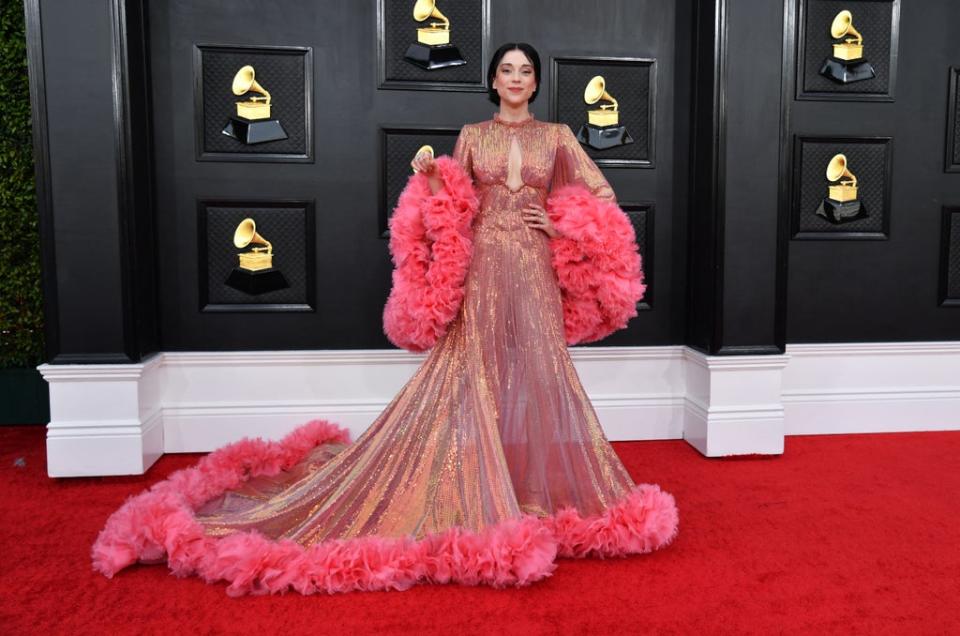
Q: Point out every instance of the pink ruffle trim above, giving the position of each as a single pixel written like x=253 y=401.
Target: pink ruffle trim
x=431 y=242
x=597 y=263
x=159 y=523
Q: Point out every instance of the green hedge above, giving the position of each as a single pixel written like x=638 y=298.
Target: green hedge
x=21 y=302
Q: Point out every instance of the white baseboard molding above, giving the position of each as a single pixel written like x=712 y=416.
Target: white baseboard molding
x=194 y=428
x=118 y=419
x=718 y=432
x=203 y=400
x=872 y=387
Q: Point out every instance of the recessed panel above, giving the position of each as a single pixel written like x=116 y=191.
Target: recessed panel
x=398 y=145
x=256 y=255
x=847 y=49
x=841 y=187
x=609 y=105
x=253 y=103
x=433 y=46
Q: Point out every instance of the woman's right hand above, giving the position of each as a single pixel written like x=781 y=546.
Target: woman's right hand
x=424 y=161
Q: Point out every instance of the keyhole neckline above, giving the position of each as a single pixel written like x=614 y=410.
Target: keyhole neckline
x=515 y=161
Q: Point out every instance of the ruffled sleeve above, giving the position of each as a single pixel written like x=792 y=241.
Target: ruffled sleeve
x=573 y=165
x=598 y=265
x=431 y=243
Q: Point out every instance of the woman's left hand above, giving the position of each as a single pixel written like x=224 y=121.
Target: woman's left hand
x=536 y=217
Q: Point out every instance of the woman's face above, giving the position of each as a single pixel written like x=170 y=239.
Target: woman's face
x=515 y=81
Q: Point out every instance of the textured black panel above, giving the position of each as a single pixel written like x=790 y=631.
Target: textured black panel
x=956 y=122
x=398 y=147
x=399 y=31
x=874 y=21
x=353 y=268
x=281 y=73
x=866 y=159
x=953 y=262
x=629 y=82
x=953 y=122
x=285 y=227
x=641 y=217
x=950 y=266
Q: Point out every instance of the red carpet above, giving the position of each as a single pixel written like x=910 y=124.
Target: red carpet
x=842 y=534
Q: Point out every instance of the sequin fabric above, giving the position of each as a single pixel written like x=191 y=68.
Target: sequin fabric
x=495 y=422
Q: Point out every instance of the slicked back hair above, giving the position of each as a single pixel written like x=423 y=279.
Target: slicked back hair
x=527 y=50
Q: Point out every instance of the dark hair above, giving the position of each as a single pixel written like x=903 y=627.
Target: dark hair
x=527 y=50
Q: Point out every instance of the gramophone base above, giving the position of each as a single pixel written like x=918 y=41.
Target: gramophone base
x=254 y=131
x=256 y=282
x=847 y=71
x=603 y=137
x=430 y=58
x=841 y=212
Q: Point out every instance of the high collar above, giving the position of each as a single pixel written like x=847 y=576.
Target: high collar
x=513 y=124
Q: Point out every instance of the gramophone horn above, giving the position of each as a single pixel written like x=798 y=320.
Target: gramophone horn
x=837 y=169
x=244 y=82
x=428 y=9
x=246 y=233
x=594 y=92
x=843 y=25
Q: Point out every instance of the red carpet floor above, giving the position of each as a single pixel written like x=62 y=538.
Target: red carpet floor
x=841 y=534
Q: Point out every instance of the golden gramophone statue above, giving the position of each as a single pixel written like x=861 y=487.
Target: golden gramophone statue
x=847 y=64
x=252 y=123
x=603 y=129
x=841 y=204
x=432 y=50
x=255 y=274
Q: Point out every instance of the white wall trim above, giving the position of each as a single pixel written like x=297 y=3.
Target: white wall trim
x=118 y=419
x=872 y=387
x=733 y=404
x=104 y=419
x=212 y=398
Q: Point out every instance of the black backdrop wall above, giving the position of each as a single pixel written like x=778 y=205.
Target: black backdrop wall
x=888 y=288
x=126 y=170
x=352 y=263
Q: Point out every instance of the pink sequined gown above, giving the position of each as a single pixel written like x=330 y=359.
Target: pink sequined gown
x=495 y=422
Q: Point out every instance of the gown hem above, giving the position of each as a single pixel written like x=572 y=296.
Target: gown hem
x=159 y=524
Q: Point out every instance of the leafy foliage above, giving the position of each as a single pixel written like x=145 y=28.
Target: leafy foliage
x=21 y=302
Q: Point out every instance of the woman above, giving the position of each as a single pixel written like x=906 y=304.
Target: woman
x=490 y=462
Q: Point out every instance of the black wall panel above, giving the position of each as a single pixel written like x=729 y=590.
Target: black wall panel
x=886 y=290
x=119 y=178
x=753 y=124
x=83 y=165
x=708 y=43
x=93 y=156
x=733 y=234
x=352 y=262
